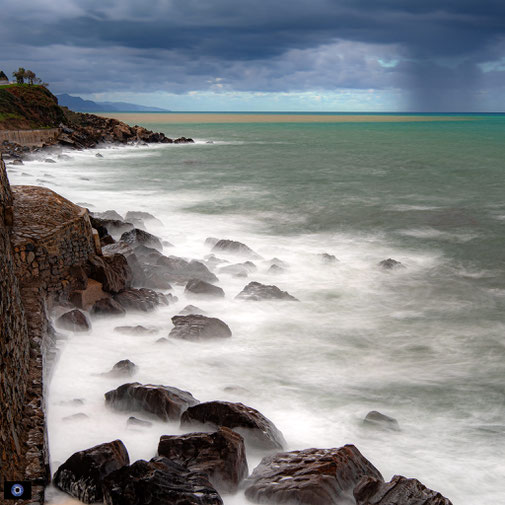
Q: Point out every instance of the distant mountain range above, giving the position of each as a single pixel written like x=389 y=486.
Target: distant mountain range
x=80 y=105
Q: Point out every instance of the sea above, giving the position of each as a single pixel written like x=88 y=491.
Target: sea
x=424 y=344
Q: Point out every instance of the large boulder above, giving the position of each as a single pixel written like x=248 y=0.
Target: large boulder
x=107 y=307
x=114 y=227
x=399 y=491
x=375 y=419
x=111 y=270
x=82 y=474
x=309 y=477
x=123 y=368
x=391 y=264
x=197 y=287
x=257 y=430
x=143 y=300
x=180 y=270
x=135 y=330
x=74 y=320
x=221 y=455
x=138 y=275
x=197 y=327
x=158 y=482
x=145 y=216
x=164 y=402
x=138 y=237
x=234 y=247
x=256 y=291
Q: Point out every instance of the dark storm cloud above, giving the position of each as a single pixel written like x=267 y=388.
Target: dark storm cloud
x=440 y=43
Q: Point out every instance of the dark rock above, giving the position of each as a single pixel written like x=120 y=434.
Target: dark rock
x=147 y=254
x=114 y=227
x=78 y=276
x=399 y=491
x=138 y=274
x=196 y=327
x=133 y=421
x=98 y=155
x=138 y=237
x=221 y=455
x=49 y=160
x=111 y=270
x=179 y=270
x=123 y=368
x=256 y=291
x=106 y=240
x=135 y=330
x=197 y=287
x=257 y=430
x=17 y=162
x=145 y=216
x=234 y=247
x=391 y=264
x=74 y=320
x=107 y=306
x=328 y=259
x=309 y=477
x=162 y=401
x=378 y=420
x=158 y=482
x=183 y=140
x=143 y=300
x=82 y=474
x=191 y=309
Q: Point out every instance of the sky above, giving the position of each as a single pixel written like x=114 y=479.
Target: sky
x=276 y=55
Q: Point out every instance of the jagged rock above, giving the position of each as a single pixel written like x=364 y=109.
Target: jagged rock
x=391 y=264
x=309 y=477
x=145 y=216
x=196 y=287
x=111 y=215
x=106 y=240
x=399 y=491
x=164 y=402
x=74 y=320
x=138 y=275
x=135 y=330
x=234 y=247
x=108 y=306
x=191 y=309
x=183 y=140
x=123 y=368
x=158 y=482
x=328 y=259
x=111 y=270
x=138 y=237
x=378 y=420
x=133 y=421
x=196 y=327
x=114 y=227
x=179 y=270
x=147 y=254
x=82 y=474
x=234 y=270
x=221 y=455
x=256 y=291
x=257 y=430
x=98 y=155
x=143 y=299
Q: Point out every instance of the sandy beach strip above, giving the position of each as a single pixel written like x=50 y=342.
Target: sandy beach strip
x=211 y=117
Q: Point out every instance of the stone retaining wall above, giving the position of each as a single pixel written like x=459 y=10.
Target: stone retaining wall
x=30 y=137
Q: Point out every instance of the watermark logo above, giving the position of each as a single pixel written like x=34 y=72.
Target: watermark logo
x=17 y=490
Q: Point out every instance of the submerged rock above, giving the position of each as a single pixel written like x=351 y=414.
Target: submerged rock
x=391 y=264
x=197 y=287
x=74 y=320
x=164 y=402
x=134 y=422
x=138 y=237
x=309 y=477
x=197 y=327
x=235 y=270
x=145 y=216
x=180 y=270
x=275 y=269
x=135 y=330
x=256 y=291
x=378 y=420
x=123 y=368
x=399 y=491
x=143 y=299
x=158 y=482
x=328 y=259
x=257 y=430
x=191 y=309
x=109 y=214
x=221 y=455
x=82 y=474
x=234 y=247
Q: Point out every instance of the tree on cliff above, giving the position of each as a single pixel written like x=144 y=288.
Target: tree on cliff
x=30 y=76
x=19 y=75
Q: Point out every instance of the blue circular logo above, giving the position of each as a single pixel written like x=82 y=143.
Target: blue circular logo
x=17 y=490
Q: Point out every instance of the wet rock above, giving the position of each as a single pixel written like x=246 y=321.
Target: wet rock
x=138 y=237
x=134 y=422
x=184 y=140
x=309 y=477
x=256 y=291
x=191 y=309
x=74 y=320
x=180 y=270
x=98 y=155
x=49 y=160
x=111 y=270
x=17 y=162
x=123 y=368
x=399 y=491
x=138 y=274
x=197 y=327
x=82 y=474
x=143 y=300
x=220 y=455
x=158 y=482
x=328 y=259
x=109 y=215
x=234 y=247
x=106 y=240
x=107 y=307
x=257 y=430
x=196 y=287
x=147 y=254
x=378 y=420
x=114 y=227
x=235 y=270
x=391 y=264
x=164 y=402
x=135 y=330
x=144 y=216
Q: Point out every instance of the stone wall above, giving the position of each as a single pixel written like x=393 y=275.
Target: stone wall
x=30 y=137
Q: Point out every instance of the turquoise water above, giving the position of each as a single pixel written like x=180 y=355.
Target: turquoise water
x=424 y=344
